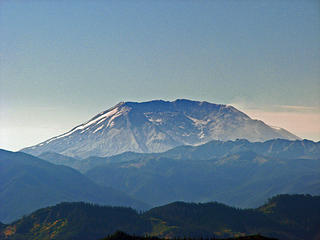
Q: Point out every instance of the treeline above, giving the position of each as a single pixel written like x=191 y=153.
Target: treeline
x=282 y=217
x=119 y=235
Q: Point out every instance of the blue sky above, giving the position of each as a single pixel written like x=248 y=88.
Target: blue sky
x=64 y=61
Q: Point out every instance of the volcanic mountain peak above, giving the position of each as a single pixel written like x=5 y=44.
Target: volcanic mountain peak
x=97 y=120
x=157 y=126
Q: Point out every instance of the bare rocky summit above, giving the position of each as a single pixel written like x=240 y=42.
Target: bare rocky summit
x=157 y=126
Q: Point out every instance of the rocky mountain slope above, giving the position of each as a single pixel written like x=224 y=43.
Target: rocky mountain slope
x=157 y=126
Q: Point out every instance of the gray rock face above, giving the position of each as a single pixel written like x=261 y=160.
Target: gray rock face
x=157 y=126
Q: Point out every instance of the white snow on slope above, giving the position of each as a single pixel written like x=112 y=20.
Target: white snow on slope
x=99 y=128
x=159 y=120
x=103 y=116
x=110 y=122
x=276 y=128
x=87 y=124
x=198 y=122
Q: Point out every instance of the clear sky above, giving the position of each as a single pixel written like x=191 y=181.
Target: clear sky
x=64 y=61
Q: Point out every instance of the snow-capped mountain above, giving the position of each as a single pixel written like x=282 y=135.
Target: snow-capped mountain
x=157 y=126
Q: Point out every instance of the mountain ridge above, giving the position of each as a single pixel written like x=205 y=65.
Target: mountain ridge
x=279 y=148
x=294 y=217
x=159 y=179
x=28 y=183
x=157 y=126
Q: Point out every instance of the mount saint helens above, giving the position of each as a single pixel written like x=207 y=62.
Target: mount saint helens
x=157 y=126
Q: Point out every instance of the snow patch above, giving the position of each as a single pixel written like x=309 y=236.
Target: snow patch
x=103 y=116
x=157 y=121
x=87 y=124
x=201 y=135
x=99 y=128
x=276 y=128
x=198 y=122
x=110 y=122
x=153 y=119
x=102 y=120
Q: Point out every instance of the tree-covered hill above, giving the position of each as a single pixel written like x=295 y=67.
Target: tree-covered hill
x=294 y=217
x=283 y=217
x=77 y=221
x=124 y=236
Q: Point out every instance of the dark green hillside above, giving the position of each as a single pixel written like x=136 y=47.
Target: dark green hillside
x=2 y=226
x=285 y=217
x=77 y=221
x=123 y=236
x=28 y=183
x=207 y=220
x=299 y=212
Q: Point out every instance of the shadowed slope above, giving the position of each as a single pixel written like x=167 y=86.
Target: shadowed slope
x=28 y=183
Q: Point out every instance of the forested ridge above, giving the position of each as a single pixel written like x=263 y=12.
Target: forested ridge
x=282 y=217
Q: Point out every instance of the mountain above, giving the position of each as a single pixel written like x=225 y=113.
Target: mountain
x=78 y=221
x=282 y=217
x=228 y=178
x=223 y=171
x=86 y=164
x=157 y=126
x=60 y=159
x=280 y=148
x=294 y=217
x=276 y=148
x=119 y=235
x=28 y=183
